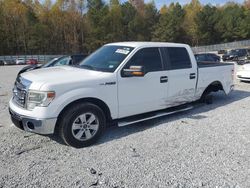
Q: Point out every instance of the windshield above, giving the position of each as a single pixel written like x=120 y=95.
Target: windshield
x=232 y=52
x=106 y=58
x=240 y=52
x=62 y=61
x=50 y=62
x=56 y=61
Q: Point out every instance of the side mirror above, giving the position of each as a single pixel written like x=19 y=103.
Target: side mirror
x=134 y=71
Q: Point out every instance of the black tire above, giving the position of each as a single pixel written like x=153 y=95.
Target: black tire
x=209 y=99
x=68 y=117
x=206 y=98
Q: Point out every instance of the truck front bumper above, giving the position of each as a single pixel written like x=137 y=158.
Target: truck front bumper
x=31 y=124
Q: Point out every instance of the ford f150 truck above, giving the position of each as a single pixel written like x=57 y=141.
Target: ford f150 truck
x=125 y=82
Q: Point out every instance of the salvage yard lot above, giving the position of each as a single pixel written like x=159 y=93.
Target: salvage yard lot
x=208 y=146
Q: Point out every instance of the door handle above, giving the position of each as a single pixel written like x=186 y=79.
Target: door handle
x=164 y=79
x=192 y=76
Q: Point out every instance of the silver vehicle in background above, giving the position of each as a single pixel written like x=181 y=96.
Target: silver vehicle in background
x=59 y=61
x=20 y=61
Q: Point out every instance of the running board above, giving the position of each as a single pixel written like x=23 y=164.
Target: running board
x=137 y=119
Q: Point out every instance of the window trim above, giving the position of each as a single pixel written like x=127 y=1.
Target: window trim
x=166 y=59
x=137 y=50
x=169 y=60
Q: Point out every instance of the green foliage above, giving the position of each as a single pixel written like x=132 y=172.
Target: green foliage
x=206 y=21
x=128 y=14
x=74 y=26
x=169 y=27
x=189 y=23
x=232 y=23
x=246 y=22
x=151 y=17
x=114 y=22
x=97 y=19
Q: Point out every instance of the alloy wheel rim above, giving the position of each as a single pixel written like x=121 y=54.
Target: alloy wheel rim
x=85 y=126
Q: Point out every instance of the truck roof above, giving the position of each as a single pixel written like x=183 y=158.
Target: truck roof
x=136 y=44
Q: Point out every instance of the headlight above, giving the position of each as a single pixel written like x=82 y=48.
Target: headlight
x=39 y=98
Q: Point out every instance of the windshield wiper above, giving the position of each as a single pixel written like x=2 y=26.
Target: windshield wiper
x=82 y=66
x=74 y=65
x=87 y=67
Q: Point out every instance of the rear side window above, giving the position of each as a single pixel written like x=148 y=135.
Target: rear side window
x=149 y=58
x=179 y=58
x=242 y=52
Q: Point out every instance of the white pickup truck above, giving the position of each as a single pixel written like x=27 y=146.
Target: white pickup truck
x=124 y=82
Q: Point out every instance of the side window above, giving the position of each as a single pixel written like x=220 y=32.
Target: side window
x=244 y=52
x=149 y=58
x=179 y=58
x=210 y=58
x=200 y=57
x=64 y=61
x=239 y=52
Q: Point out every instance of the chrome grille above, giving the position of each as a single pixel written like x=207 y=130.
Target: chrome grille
x=20 y=91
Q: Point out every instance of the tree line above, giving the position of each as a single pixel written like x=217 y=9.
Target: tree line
x=81 y=26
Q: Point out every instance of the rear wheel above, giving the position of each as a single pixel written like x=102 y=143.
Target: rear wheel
x=206 y=98
x=82 y=125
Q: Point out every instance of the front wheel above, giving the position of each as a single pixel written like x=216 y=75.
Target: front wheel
x=81 y=125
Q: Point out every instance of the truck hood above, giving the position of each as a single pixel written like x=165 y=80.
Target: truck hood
x=60 y=75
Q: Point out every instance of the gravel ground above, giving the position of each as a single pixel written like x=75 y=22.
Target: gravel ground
x=208 y=146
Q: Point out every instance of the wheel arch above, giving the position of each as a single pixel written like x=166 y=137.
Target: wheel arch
x=213 y=87
x=92 y=100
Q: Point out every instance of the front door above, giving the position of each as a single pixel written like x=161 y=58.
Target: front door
x=138 y=95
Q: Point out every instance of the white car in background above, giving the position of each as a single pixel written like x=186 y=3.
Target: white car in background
x=243 y=73
x=20 y=61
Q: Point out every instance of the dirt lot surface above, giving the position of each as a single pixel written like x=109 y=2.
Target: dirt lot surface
x=208 y=146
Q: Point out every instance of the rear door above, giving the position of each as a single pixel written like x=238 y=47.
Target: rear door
x=181 y=77
x=138 y=95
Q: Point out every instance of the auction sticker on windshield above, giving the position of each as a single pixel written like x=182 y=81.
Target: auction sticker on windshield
x=122 y=51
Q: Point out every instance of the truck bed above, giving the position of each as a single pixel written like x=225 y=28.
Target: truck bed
x=214 y=72
x=211 y=64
